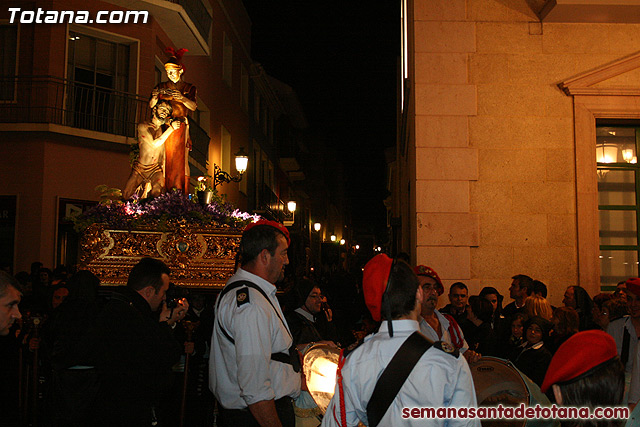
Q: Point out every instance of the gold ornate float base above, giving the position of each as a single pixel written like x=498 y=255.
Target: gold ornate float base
x=199 y=257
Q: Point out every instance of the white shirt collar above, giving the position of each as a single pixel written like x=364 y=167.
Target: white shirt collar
x=267 y=287
x=525 y=345
x=301 y=311
x=400 y=325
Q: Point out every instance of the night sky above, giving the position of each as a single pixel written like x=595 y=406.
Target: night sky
x=341 y=59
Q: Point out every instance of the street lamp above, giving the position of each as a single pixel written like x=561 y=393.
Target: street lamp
x=289 y=215
x=242 y=161
x=342 y=241
x=220 y=176
x=333 y=237
x=317 y=226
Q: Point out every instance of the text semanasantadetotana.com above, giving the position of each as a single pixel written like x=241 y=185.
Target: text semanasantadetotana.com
x=517 y=413
x=41 y=16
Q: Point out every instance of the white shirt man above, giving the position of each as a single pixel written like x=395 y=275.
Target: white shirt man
x=250 y=384
x=439 y=379
x=433 y=324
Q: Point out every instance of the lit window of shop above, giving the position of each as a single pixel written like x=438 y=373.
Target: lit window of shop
x=618 y=190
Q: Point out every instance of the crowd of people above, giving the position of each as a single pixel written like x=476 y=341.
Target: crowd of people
x=118 y=358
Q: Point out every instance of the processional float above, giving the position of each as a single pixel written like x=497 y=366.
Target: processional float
x=157 y=217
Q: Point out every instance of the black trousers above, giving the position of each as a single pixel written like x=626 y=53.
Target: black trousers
x=243 y=417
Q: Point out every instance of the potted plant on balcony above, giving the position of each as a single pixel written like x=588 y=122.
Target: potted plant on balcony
x=204 y=190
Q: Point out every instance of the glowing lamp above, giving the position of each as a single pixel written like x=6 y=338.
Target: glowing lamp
x=242 y=160
x=317 y=226
x=291 y=206
x=320 y=366
x=342 y=241
x=606 y=153
x=333 y=237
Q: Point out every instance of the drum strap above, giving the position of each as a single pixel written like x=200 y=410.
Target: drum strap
x=626 y=337
x=292 y=358
x=395 y=375
x=454 y=332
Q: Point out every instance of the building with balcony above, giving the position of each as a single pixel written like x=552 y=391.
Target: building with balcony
x=518 y=137
x=72 y=94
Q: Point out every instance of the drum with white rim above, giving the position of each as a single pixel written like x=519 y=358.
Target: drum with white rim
x=497 y=381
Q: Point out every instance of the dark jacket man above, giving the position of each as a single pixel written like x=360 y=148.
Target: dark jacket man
x=135 y=349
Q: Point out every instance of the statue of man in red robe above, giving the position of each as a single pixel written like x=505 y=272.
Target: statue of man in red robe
x=182 y=96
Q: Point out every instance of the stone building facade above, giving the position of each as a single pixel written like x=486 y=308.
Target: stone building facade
x=496 y=168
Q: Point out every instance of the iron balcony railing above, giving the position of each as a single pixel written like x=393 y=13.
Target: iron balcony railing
x=267 y=202
x=45 y=99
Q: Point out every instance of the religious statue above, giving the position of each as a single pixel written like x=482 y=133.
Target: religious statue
x=182 y=96
x=147 y=169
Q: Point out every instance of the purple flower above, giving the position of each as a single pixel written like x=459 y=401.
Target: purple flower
x=160 y=212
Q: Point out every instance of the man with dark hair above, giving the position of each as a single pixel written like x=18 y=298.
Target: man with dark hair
x=254 y=366
x=521 y=288
x=397 y=368
x=435 y=325
x=10 y=296
x=135 y=348
x=586 y=372
x=457 y=307
x=148 y=167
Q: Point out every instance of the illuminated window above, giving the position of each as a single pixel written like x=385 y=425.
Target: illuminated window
x=618 y=181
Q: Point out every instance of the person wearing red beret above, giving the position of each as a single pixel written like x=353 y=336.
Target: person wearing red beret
x=435 y=325
x=254 y=366
x=586 y=372
x=398 y=368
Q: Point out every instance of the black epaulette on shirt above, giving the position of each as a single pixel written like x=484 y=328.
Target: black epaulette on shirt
x=242 y=296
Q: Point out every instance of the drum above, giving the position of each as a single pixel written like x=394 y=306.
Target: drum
x=320 y=365
x=497 y=381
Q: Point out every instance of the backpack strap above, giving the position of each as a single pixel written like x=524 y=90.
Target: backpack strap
x=395 y=375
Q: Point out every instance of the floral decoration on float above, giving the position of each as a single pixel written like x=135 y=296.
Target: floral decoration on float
x=161 y=213
x=198 y=242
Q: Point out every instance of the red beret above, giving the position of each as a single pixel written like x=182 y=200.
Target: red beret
x=423 y=270
x=374 y=282
x=281 y=228
x=633 y=285
x=577 y=355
